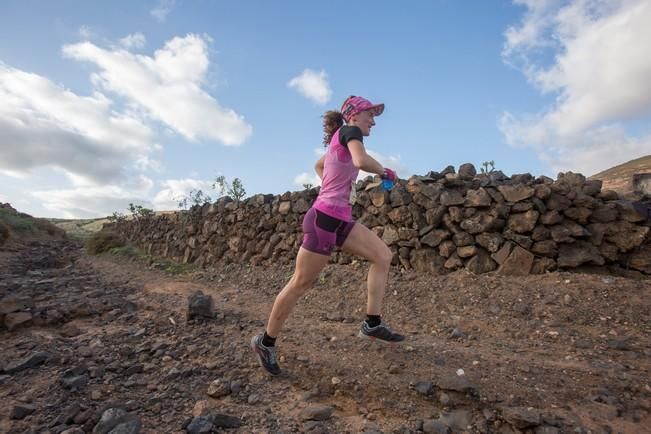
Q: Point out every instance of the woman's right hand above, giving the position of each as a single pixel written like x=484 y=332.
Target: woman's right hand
x=389 y=174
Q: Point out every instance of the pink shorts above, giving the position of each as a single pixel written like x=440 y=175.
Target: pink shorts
x=322 y=233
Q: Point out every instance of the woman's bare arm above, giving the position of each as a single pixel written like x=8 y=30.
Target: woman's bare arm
x=362 y=160
x=319 y=166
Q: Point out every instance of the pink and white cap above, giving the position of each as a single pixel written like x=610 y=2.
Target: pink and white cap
x=356 y=104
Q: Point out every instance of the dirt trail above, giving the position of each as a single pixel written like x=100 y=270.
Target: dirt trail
x=563 y=352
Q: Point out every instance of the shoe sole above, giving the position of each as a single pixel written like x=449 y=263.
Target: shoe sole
x=254 y=347
x=374 y=339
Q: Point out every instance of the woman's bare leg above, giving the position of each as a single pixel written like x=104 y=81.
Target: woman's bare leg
x=365 y=243
x=308 y=267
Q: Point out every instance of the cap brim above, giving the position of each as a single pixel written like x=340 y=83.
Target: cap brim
x=377 y=109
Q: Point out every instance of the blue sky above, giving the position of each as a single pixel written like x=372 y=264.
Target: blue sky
x=107 y=103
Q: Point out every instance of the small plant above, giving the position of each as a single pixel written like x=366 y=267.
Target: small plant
x=308 y=186
x=117 y=217
x=139 y=212
x=127 y=251
x=485 y=167
x=103 y=241
x=195 y=197
x=235 y=191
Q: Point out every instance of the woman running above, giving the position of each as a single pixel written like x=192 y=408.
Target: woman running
x=329 y=224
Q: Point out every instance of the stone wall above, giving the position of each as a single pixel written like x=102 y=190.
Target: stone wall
x=434 y=223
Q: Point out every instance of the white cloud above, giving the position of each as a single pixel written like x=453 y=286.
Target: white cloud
x=134 y=40
x=391 y=161
x=174 y=190
x=175 y=73
x=86 y=32
x=312 y=85
x=94 y=200
x=306 y=178
x=163 y=8
x=599 y=75
x=44 y=124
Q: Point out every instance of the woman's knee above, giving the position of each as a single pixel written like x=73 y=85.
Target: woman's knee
x=300 y=283
x=384 y=256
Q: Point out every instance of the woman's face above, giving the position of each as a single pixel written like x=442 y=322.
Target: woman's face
x=365 y=121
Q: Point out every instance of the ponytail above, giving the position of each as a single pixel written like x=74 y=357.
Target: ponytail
x=332 y=121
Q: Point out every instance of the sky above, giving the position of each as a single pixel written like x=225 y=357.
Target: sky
x=103 y=104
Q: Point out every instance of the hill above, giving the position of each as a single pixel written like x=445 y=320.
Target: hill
x=17 y=227
x=620 y=178
x=80 y=228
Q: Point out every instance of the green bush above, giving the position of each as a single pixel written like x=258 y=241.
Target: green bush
x=49 y=228
x=103 y=241
x=17 y=221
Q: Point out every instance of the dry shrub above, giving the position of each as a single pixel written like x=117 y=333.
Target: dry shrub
x=4 y=233
x=49 y=228
x=103 y=241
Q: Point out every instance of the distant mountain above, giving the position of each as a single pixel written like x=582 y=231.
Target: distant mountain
x=620 y=178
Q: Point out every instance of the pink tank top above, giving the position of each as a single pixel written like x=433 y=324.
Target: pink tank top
x=337 y=193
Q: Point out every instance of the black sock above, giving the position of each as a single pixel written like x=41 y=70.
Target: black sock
x=268 y=341
x=373 y=320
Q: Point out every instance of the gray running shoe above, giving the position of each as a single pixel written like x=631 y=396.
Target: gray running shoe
x=381 y=332
x=266 y=355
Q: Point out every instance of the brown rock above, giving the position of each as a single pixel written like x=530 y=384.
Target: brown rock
x=540 y=233
x=561 y=234
x=461 y=239
x=489 y=241
x=503 y=253
x=558 y=202
x=516 y=193
x=477 y=198
x=577 y=253
x=285 y=207
x=301 y=206
x=592 y=187
x=551 y=218
x=521 y=207
x=466 y=251
x=522 y=240
x=14 y=303
x=398 y=196
x=542 y=191
x=453 y=262
x=482 y=222
x=518 y=263
x=435 y=237
x=522 y=223
x=641 y=259
x=446 y=248
x=451 y=198
x=481 y=263
x=379 y=196
x=543 y=265
x=580 y=215
x=625 y=235
x=400 y=215
x=426 y=261
x=605 y=214
x=467 y=171
x=434 y=216
x=16 y=319
x=390 y=235
x=547 y=248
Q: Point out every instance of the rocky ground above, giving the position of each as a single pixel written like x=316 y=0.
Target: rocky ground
x=104 y=344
